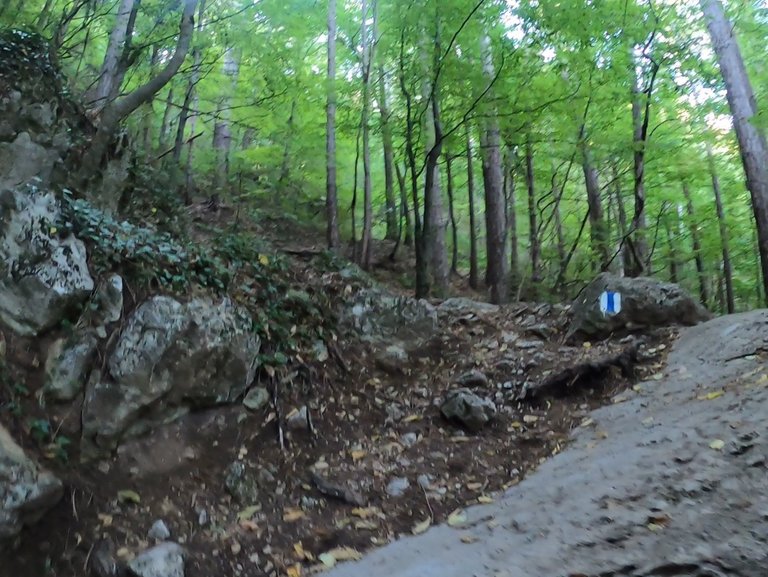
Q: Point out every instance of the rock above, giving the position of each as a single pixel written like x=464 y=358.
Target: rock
x=425 y=481
x=103 y=562
x=397 y=486
x=108 y=301
x=320 y=350
x=169 y=358
x=465 y=305
x=645 y=302
x=473 y=378
x=164 y=560
x=409 y=439
x=392 y=359
x=467 y=408
x=240 y=484
x=381 y=317
x=297 y=420
x=67 y=365
x=159 y=531
x=257 y=398
x=27 y=491
x=528 y=345
x=43 y=274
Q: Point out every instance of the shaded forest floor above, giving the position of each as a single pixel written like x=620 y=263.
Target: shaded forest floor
x=377 y=461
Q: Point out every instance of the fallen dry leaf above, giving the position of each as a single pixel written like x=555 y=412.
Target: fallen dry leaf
x=484 y=499
x=357 y=454
x=365 y=512
x=457 y=518
x=422 y=526
x=294 y=570
x=468 y=539
x=291 y=514
x=345 y=554
x=710 y=396
x=128 y=496
x=717 y=444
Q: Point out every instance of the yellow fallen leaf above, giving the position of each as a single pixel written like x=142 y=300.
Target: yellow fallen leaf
x=474 y=486
x=53 y=230
x=411 y=418
x=468 y=539
x=587 y=422
x=516 y=425
x=364 y=512
x=366 y=525
x=484 y=499
x=710 y=396
x=292 y=514
x=327 y=559
x=248 y=512
x=106 y=520
x=345 y=554
x=294 y=571
x=357 y=454
x=128 y=496
x=422 y=526
x=530 y=419
x=249 y=526
x=298 y=548
x=457 y=518
x=717 y=444
x=587 y=345
x=263 y=260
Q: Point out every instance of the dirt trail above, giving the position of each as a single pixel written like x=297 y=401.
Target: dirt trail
x=669 y=482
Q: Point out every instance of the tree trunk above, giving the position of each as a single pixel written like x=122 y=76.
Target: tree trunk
x=222 y=132
x=557 y=195
x=724 y=241
x=514 y=253
x=433 y=227
x=405 y=211
x=625 y=237
x=367 y=48
x=752 y=142
x=598 y=231
x=474 y=277
x=452 y=213
x=672 y=241
x=331 y=197
x=119 y=109
x=98 y=98
x=497 y=265
x=285 y=166
x=166 y=122
x=389 y=155
x=532 y=220
x=641 y=116
x=698 y=257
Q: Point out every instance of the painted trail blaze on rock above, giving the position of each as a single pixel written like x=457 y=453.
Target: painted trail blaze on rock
x=611 y=303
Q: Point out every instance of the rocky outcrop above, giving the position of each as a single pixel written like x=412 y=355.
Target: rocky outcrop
x=43 y=274
x=171 y=357
x=645 y=302
x=382 y=317
x=27 y=492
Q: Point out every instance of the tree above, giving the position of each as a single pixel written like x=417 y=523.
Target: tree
x=331 y=200
x=114 y=112
x=741 y=98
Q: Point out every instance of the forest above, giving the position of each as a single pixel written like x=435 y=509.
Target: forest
x=516 y=147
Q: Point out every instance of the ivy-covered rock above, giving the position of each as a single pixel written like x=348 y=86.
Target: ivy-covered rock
x=170 y=357
x=43 y=273
x=27 y=492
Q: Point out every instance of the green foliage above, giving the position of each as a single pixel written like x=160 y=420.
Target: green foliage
x=55 y=445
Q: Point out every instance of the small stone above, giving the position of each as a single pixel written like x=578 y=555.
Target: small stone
x=257 y=398
x=397 y=486
x=527 y=345
x=159 y=531
x=424 y=481
x=409 y=439
x=470 y=410
x=473 y=378
x=240 y=484
x=297 y=420
x=164 y=560
x=202 y=517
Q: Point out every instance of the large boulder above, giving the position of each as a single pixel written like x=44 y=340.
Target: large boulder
x=171 y=357
x=67 y=365
x=27 y=492
x=382 y=317
x=43 y=274
x=645 y=302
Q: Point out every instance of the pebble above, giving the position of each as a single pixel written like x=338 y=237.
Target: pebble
x=409 y=439
x=397 y=486
x=159 y=531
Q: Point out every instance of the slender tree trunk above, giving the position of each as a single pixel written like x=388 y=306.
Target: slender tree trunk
x=474 y=276
x=434 y=216
x=535 y=248
x=331 y=198
x=367 y=48
x=752 y=142
x=389 y=155
x=598 y=230
x=559 y=235
x=285 y=166
x=405 y=211
x=452 y=213
x=724 y=241
x=497 y=265
x=625 y=236
x=222 y=132
x=672 y=258
x=119 y=109
x=514 y=253
x=698 y=257
x=109 y=68
x=45 y=14
x=166 y=122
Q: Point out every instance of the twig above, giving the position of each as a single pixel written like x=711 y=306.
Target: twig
x=429 y=506
x=87 y=560
x=74 y=506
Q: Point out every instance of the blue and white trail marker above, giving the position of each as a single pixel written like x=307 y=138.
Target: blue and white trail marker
x=610 y=303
